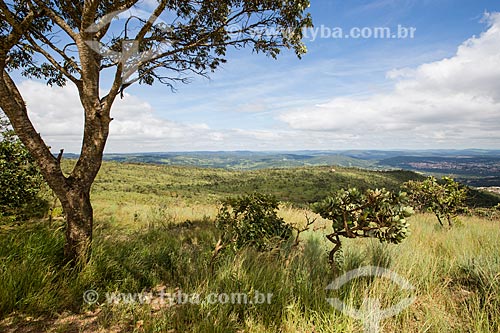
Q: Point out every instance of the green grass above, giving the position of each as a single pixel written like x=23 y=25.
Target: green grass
x=455 y=272
x=154 y=231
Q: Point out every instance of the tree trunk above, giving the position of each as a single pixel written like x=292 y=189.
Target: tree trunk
x=439 y=219
x=450 y=221
x=79 y=220
x=73 y=190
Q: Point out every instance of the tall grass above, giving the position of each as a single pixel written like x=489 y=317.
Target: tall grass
x=456 y=274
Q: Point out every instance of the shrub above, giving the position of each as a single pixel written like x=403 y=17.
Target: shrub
x=372 y=214
x=20 y=180
x=445 y=199
x=252 y=220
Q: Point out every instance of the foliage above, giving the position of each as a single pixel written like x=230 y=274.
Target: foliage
x=20 y=179
x=373 y=214
x=176 y=39
x=445 y=199
x=299 y=186
x=252 y=220
x=477 y=197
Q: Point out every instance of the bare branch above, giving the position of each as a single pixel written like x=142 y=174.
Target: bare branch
x=309 y=223
x=147 y=26
x=107 y=101
x=59 y=156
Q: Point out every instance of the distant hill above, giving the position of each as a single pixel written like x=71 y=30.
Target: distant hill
x=244 y=160
x=472 y=170
x=475 y=167
x=299 y=186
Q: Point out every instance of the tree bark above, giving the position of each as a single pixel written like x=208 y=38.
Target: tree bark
x=79 y=222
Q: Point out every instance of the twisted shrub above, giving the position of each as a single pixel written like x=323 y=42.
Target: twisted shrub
x=371 y=214
x=445 y=199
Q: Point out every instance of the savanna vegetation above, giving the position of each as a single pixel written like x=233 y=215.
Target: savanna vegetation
x=446 y=199
x=156 y=232
x=23 y=191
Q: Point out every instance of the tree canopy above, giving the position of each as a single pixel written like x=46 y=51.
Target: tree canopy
x=445 y=198
x=375 y=213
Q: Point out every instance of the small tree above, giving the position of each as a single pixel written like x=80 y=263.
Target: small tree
x=445 y=199
x=373 y=214
x=251 y=220
x=20 y=180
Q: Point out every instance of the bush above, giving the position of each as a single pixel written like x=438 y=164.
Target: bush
x=373 y=214
x=252 y=220
x=20 y=180
x=445 y=199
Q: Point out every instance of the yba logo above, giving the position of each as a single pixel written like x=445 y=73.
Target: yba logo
x=370 y=312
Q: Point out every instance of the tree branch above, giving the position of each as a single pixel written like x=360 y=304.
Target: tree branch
x=53 y=61
x=89 y=13
x=62 y=53
x=18 y=28
x=57 y=19
x=151 y=20
x=108 y=100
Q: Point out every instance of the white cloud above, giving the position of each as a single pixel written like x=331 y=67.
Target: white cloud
x=57 y=114
x=453 y=102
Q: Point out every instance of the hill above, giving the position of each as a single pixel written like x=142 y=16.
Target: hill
x=474 y=167
x=243 y=160
x=298 y=186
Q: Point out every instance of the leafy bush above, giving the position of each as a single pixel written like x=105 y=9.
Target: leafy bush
x=252 y=220
x=20 y=180
x=445 y=199
x=373 y=214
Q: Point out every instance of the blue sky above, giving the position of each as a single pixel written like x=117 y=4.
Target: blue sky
x=344 y=94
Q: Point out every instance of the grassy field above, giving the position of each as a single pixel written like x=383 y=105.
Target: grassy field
x=154 y=235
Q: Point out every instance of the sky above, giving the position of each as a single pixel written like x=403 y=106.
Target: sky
x=437 y=90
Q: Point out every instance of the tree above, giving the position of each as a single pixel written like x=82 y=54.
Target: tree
x=78 y=41
x=445 y=199
x=373 y=214
x=20 y=180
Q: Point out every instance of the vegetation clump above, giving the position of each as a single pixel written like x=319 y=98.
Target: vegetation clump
x=371 y=214
x=20 y=179
x=252 y=221
x=445 y=199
